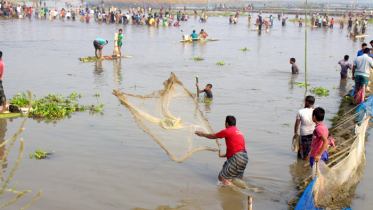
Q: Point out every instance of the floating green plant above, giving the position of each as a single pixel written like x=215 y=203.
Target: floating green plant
x=198 y=59
x=54 y=106
x=40 y=154
x=220 y=63
x=244 y=49
x=320 y=91
x=299 y=84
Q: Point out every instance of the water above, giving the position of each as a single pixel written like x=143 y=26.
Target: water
x=107 y=162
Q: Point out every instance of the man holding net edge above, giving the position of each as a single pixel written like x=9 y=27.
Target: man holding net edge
x=236 y=154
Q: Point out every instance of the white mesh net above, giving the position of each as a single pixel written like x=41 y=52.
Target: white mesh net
x=171 y=116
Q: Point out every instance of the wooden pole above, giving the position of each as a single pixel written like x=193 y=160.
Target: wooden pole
x=250 y=202
x=305 y=47
x=197 y=87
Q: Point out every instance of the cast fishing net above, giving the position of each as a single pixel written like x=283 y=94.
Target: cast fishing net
x=331 y=184
x=171 y=116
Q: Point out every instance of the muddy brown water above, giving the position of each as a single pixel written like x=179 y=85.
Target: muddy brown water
x=107 y=162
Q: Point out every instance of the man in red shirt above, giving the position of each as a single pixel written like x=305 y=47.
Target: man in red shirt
x=2 y=95
x=236 y=153
x=332 y=23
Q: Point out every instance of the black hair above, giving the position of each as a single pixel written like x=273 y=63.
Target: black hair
x=371 y=42
x=210 y=85
x=319 y=113
x=231 y=120
x=107 y=41
x=120 y=30
x=347 y=57
x=310 y=100
x=364 y=45
x=292 y=59
x=1 y=54
x=366 y=51
x=194 y=31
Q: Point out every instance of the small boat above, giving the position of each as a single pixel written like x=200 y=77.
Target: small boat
x=108 y=57
x=199 y=40
x=8 y=114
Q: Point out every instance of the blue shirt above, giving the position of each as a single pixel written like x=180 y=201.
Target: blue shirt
x=360 y=53
x=101 y=41
x=194 y=36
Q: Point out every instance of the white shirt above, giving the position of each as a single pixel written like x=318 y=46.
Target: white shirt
x=363 y=64
x=307 y=126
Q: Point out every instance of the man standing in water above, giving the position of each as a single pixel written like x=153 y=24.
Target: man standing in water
x=345 y=65
x=2 y=94
x=294 y=67
x=304 y=118
x=207 y=90
x=99 y=44
x=361 y=70
x=236 y=154
x=120 y=41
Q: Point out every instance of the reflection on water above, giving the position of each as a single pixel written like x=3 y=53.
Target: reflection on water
x=231 y=197
x=117 y=72
x=3 y=129
x=342 y=87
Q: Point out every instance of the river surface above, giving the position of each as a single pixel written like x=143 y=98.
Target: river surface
x=107 y=162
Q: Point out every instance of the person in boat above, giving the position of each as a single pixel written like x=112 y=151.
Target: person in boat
x=207 y=90
x=2 y=94
x=236 y=154
x=99 y=45
x=202 y=34
x=194 y=36
x=307 y=126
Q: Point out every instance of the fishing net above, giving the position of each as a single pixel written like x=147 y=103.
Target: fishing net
x=332 y=186
x=171 y=116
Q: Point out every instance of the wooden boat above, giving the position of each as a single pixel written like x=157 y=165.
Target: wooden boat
x=199 y=40
x=108 y=57
x=363 y=35
x=8 y=114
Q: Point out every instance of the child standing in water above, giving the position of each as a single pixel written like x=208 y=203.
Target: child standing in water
x=320 y=140
x=294 y=67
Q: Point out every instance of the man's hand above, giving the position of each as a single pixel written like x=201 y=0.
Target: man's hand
x=220 y=155
x=295 y=136
x=353 y=78
x=197 y=84
x=199 y=133
x=317 y=158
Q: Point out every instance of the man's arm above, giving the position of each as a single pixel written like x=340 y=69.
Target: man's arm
x=206 y=135
x=353 y=72
x=323 y=148
x=296 y=126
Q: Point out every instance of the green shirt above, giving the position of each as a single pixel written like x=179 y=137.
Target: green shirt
x=120 y=39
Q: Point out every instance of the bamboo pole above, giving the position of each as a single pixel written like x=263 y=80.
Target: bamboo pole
x=305 y=48
x=250 y=202
x=197 y=87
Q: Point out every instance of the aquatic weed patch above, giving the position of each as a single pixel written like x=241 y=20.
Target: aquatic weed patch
x=54 y=106
x=320 y=91
x=244 y=49
x=220 y=63
x=40 y=154
x=198 y=59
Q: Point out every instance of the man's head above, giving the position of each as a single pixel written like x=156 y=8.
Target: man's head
x=346 y=57
x=120 y=31
x=364 y=45
x=371 y=43
x=1 y=54
x=208 y=87
x=292 y=60
x=318 y=114
x=202 y=30
x=194 y=31
x=107 y=41
x=230 y=121
x=366 y=51
x=309 y=101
